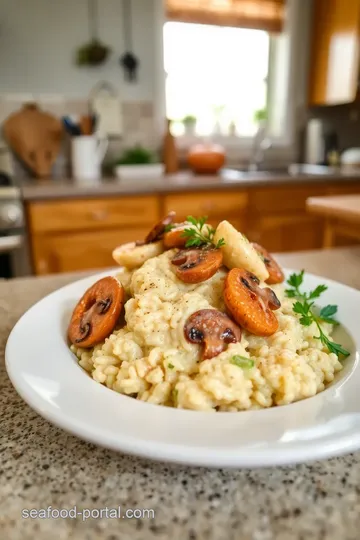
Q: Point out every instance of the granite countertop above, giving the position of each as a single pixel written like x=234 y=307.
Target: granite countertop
x=43 y=466
x=34 y=190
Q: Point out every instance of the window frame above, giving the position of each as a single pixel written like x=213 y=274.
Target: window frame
x=296 y=33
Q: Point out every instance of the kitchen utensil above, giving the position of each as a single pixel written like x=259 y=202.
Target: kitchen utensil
x=87 y=154
x=35 y=137
x=106 y=106
x=206 y=158
x=128 y=61
x=94 y=123
x=71 y=127
x=86 y=125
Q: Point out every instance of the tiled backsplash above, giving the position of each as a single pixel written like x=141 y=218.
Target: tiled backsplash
x=138 y=123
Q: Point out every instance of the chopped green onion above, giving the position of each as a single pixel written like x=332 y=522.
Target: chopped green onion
x=242 y=362
x=171 y=366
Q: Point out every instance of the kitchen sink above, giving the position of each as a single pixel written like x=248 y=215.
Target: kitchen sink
x=295 y=169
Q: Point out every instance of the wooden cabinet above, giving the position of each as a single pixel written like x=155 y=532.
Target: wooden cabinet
x=287 y=232
x=88 y=214
x=277 y=218
x=81 y=234
x=216 y=205
x=74 y=234
x=61 y=252
x=334 y=56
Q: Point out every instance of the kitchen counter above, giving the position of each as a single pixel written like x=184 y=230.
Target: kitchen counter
x=42 y=466
x=34 y=190
x=342 y=207
x=342 y=216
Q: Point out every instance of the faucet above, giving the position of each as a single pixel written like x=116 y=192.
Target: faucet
x=260 y=143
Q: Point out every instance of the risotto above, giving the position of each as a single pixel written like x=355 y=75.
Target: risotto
x=147 y=355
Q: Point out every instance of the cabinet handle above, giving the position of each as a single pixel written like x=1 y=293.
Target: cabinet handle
x=99 y=215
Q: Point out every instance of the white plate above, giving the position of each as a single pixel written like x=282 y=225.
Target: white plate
x=47 y=376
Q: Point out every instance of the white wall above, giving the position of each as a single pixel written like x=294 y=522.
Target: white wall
x=39 y=38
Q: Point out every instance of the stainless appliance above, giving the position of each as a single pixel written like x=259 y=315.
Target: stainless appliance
x=13 y=244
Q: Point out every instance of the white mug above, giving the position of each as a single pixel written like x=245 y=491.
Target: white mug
x=87 y=154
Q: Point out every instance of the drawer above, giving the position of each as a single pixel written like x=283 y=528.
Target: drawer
x=86 y=214
x=283 y=199
x=216 y=205
x=59 y=252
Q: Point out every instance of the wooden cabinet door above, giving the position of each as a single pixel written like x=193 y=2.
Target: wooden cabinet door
x=287 y=232
x=216 y=205
x=334 y=69
x=70 y=252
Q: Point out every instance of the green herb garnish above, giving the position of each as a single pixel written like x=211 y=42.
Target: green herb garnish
x=242 y=362
x=295 y=281
x=198 y=236
x=169 y=227
x=304 y=306
x=171 y=366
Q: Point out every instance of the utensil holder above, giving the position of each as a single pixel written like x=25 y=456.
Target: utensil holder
x=87 y=154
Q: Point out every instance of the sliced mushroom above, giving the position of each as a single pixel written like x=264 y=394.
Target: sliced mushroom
x=195 y=265
x=175 y=238
x=250 y=305
x=134 y=254
x=159 y=229
x=213 y=329
x=276 y=274
x=97 y=312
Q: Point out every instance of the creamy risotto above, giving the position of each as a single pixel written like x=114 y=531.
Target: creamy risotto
x=148 y=357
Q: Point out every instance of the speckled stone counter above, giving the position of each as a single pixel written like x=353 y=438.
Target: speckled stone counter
x=42 y=466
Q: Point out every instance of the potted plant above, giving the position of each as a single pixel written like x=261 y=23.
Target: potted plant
x=260 y=117
x=189 y=122
x=138 y=163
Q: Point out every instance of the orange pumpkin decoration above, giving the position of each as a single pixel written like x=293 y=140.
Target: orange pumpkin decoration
x=206 y=158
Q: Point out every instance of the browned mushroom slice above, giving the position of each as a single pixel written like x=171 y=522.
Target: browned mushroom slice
x=276 y=275
x=97 y=312
x=175 y=238
x=214 y=329
x=197 y=264
x=250 y=305
x=158 y=230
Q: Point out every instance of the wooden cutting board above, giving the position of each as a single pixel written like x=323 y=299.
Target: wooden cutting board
x=35 y=137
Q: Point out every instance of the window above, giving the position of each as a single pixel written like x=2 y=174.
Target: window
x=219 y=75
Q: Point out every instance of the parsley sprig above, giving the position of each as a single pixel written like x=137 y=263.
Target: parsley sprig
x=198 y=235
x=303 y=306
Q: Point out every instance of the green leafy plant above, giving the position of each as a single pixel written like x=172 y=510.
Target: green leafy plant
x=260 y=115
x=199 y=235
x=304 y=307
x=136 y=156
x=189 y=120
x=92 y=54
